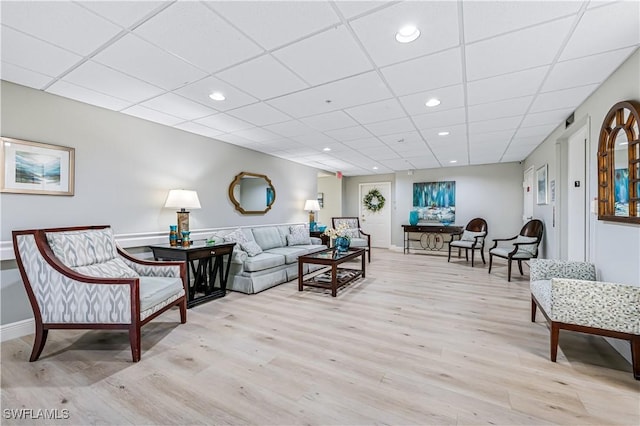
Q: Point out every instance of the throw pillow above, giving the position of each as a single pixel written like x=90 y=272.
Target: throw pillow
x=526 y=249
x=298 y=235
x=252 y=248
x=114 y=268
x=471 y=236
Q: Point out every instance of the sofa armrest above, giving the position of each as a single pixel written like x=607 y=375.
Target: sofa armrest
x=316 y=241
x=598 y=304
x=238 y=256
x=153 y=268
x=546 y=269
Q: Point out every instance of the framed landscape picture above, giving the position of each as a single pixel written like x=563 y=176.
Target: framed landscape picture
x=36 y=168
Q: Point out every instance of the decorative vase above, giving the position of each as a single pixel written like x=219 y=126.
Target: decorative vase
x=173 y=235
x=413 y=217
x=342 y=244
x=185 y=239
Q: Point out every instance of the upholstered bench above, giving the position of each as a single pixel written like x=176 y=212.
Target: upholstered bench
x=570 y=298
x=79 y=278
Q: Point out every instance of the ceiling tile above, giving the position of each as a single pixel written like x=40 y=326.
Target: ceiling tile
x=25 y=77
x=528 y=48
x=352 y=91
x=480 y=139
x=437 y=22
x=381 y=153
x=91 y=97
x=508 y=108
x=397 y=164
x=456 y=132
x=329 y=121
x=537 y=131
x=495 y=125
x=263 y=21
x=314 y=59
x=290 y=129
x=263 y=77
x=376 y=111
x=424 y=161
x=610 y=27
x=178 y=106
x=200 y=91
x=224 y=123
x=426 y=73
x=399 y=140
x=193 y=32
x=104 y=80
x=140 y=59
x=123 y=13
x=391 y=127
x=349 y=133
x=513 y=85
x=35 y=55
x=484 y=19
x=198 y=129
x=583 y=71
x=260 y=114
x=440 y=118
x=365 y=143
x=548 y=117
x=64 y=24
x=152 y=115
x=450 y=97
x=315 y=139
x=257 y=135
x=561 y=99
x=351 y=9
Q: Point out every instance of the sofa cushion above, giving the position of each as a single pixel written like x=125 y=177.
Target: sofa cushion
x=154 y=290
x=263 y=261
x=114 y=268
x=290 y=253
x=85 y=247
x=267 y=237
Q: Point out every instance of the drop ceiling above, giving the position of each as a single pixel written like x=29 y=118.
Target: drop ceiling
x=326 y=84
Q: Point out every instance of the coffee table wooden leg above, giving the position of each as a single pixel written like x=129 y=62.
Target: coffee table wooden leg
x=299 y=276
x=334 y=280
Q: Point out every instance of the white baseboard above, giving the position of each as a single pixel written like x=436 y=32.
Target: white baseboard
x=17 y=329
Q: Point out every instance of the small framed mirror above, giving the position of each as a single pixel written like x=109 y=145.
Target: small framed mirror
x=252 y=193
x=619 y=164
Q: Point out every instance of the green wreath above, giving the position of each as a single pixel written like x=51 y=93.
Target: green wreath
x=374 y=194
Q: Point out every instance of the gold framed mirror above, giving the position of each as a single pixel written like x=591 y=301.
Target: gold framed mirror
x=619 y=164
x=252 y=193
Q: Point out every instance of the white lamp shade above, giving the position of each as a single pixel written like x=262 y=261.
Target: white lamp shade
x=311 y=205
x=182 y=199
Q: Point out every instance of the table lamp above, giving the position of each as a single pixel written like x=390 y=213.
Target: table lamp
x=311 y=206
x=182 y=199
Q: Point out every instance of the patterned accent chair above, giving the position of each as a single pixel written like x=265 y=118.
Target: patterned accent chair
x=472 y=238
x=523 y=246
x=357 y=237
x=79 y=278
x=570 y=298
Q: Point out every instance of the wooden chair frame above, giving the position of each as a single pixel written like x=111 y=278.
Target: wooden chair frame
x=533 y=228
x=367 y=236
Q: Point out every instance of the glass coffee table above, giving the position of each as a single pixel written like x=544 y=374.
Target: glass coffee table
x=332 y=277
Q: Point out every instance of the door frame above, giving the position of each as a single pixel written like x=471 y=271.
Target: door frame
x=389 y=204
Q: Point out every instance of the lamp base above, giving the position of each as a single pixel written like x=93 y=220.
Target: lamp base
x=183 y=222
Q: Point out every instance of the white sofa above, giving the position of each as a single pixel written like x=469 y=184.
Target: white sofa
x=277 y=262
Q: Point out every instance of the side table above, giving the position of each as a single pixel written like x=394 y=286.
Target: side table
x=318 y=234
x=205 y=263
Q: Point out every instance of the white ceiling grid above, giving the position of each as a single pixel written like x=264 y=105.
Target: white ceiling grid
x=300 y=77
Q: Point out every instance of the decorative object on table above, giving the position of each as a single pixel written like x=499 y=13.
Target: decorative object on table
x=349 y=226
x=414 y=217
x=211 y=241
x=182 y=199
x=312 y=206
x=342 y=244
x=321 y=228
x=36 y=168
x=445 y=223
x=186 y=241
x=541 y=185
x=321 y=199
x=435 y=201
x=173 y=235
x=373 y=201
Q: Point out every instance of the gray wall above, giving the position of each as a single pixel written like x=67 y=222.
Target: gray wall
x=493 y=192
x=331 y=187
x=125 y=167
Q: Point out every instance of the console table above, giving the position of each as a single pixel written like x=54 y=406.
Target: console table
x=205 y=263
x=432 y=237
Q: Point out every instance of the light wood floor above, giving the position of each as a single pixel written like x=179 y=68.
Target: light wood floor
x=419 y=341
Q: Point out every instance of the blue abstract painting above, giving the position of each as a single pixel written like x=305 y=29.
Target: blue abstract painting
x=621 y=196
x=435 y=201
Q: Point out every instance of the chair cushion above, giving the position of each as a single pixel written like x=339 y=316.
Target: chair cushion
x=298 y=235
x=114 y=268
x=527 y=249
x=471 y=236
x=504 y=252
x=267 y=237
x=155 y=290
x=463 y=244
x=83 y=247
x=358 y=242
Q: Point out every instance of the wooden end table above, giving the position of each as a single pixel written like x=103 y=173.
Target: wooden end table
x=333 y=278
x=205 y=263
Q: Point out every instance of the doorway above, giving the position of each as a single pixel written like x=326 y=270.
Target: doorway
x=377 y=224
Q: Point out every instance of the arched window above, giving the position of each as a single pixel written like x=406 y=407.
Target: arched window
x=619 y=164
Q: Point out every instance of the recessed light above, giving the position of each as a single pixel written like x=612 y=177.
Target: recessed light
x=326 y=149
x=432 y=102
x=375 y=167
x=407 y=34
x=453 y=161
x=443 y=133
x=217 y=96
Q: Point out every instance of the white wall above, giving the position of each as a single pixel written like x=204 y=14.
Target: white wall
x=331 y=187
x=125 y=167
x=493 y=192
